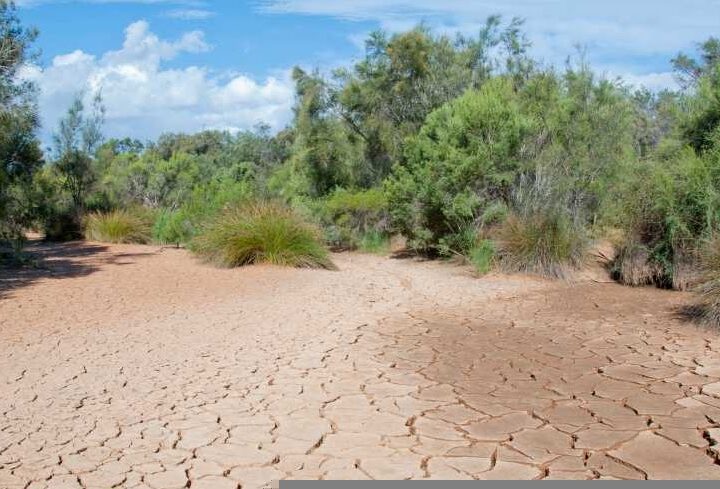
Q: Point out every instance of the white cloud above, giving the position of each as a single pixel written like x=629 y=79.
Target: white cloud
x=641 y=34
x=190 y=14
x=143 y=98
x=651 y=81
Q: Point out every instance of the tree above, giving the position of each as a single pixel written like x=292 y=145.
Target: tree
x=324 y=152
x=20 y=154
x=78 y=137
x=689 y=71
x=387 y=96
x=468 y=154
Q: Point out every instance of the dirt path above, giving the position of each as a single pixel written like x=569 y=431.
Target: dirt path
x=133 y=367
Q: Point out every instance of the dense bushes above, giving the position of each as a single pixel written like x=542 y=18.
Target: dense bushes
x=466 y=156
x=463 y=146
x=261 y=233
x=20 y=153
x=675 y=206
x=354 y=219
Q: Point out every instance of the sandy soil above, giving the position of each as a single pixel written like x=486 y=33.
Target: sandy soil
x=134 y=367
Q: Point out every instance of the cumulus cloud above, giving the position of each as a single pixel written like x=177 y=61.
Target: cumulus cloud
x=144 y=98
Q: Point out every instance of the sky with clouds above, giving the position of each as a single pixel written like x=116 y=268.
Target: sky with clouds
x=187 y=65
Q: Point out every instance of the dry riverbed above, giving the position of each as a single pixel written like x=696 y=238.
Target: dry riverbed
x=131 y=366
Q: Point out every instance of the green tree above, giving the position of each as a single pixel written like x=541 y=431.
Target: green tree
x=386 y=97
x=78 y=136
x=20 y=154
x=468 y=154
x=324 y=153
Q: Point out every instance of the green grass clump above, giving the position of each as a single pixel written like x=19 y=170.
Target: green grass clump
x=482 y=256
x=172 y=228
x=261 y=232
x=374 y=242
x=543 y=243
x=709 y=288
x=117 y=227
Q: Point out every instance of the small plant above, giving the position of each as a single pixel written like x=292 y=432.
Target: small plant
x=482 y=256
x=374 y=242
x=633 y=266
x=543 y=243
x=117 y=227
x=261 y=232
x=172 y=228
x=709 y=288
x=62 y=225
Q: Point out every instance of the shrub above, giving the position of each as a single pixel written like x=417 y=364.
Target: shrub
x=545 y=243
x=261 y=233
x=62 y=225
x=375 y=242
x=709 y=288
x=466 y=156
x=482 y=256
x=172 y=227
x=352 y=217
x=675 y=204
x=117 y=227
x=633 y=265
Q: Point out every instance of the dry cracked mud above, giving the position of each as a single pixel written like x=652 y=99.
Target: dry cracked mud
x=137 y=367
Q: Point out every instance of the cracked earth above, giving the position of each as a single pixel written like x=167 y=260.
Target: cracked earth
x=136 y=367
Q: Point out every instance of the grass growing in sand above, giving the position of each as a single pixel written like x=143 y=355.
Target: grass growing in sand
x=119 y=226
x=261 y=232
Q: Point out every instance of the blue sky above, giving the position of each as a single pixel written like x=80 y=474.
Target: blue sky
x=168 y=65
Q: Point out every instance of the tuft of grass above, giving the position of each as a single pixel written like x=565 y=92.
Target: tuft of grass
x=709 y=288
x=261 y=232
x=118 y=226
x=374 y=242
x=633 y=266
x=543 y=243
x=482 y=256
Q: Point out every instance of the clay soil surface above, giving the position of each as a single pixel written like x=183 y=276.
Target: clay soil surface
x=139 y=367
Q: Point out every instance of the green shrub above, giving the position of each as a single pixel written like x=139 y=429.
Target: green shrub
x=466 y=156
x=709 y=288
x=62 y=225
x=261 y=233
x=544 y=243
x=348 y=217
x=117 y=227
x=482 y=256
x=675 y=205
x=375 y=242
x=172 y=227
x=633 y=266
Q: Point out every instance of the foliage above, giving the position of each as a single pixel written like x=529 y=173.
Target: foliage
x=466 y=155
x=261 y=232
x=78 y=136
x=482 y=256
x=675 y=205
x=120 y=226
x=352 y=217
x=374 y=242
x=386 y=97
x=20 y=155
x=709 y=287
x=543 y=243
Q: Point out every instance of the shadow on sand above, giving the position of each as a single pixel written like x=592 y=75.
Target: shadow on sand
x=43 y=260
